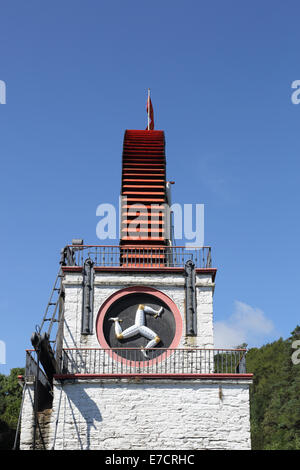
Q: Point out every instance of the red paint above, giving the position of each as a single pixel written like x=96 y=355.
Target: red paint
x=143 y=156
x=156 y=376
x=162 y=269
x=72 y=269
x=148 y=268
x=212 y=271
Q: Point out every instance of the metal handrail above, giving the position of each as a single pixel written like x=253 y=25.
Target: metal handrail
x=139 y=256
x=160 y=361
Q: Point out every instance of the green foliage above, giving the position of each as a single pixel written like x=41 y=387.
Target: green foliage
x=275 y=395
x=10 y=401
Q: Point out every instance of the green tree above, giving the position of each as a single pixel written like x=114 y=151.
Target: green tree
x=274 y=395
x=10 y=400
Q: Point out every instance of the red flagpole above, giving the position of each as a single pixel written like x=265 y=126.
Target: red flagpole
x=148 y=109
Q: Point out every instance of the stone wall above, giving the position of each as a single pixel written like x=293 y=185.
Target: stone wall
x=151 y=414
x=106 y=284
x=27 y=419
x=43 y=428
x=140 y=413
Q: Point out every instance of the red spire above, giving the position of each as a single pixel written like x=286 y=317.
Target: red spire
x=144 y=219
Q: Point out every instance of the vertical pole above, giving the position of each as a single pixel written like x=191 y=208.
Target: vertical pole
x=148 y=103
x=59 y=334
x=19 y=419
x=36 y=396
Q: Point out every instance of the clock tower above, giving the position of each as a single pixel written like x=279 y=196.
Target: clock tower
x=124 y=358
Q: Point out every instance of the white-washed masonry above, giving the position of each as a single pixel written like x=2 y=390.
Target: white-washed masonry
x=106 y=284
x=128 y=413
x=154 y=414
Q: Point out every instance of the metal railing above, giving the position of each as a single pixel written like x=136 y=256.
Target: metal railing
x=160 y=361
x=138 y=256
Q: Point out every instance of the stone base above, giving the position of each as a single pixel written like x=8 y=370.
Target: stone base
x=146 y=414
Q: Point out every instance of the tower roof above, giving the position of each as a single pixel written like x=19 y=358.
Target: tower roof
x=143 y=189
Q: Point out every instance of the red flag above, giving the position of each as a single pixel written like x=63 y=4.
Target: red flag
x=150 y=114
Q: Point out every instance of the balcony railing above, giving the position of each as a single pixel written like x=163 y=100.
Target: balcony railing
x=161 y=361
x=137 y=256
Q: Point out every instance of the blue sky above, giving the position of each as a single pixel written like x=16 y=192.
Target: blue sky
x=220 y=74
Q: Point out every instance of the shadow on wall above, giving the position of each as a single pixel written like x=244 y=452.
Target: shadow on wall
x=82 y=409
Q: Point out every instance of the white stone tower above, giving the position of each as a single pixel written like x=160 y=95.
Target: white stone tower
x=124 y=357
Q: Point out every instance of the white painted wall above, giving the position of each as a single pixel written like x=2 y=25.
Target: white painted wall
x=106 y=284
x=146 y=413
x=27 y=419
x=151 y=415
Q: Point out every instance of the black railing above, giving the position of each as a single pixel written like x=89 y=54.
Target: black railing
x=137 y=256
x=160 y=361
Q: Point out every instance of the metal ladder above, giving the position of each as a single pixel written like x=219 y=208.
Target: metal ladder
x=52 y=311
x=52 y=315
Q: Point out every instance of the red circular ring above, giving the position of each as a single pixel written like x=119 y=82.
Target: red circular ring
x=132 y=290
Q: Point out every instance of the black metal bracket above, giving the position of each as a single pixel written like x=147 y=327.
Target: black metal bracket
x=87 y=300
x=190 y=299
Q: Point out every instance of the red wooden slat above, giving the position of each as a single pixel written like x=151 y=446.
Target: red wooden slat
x=143 y=181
